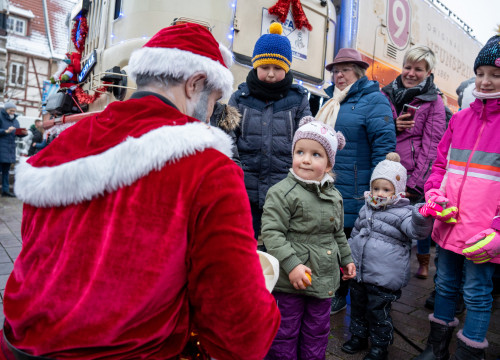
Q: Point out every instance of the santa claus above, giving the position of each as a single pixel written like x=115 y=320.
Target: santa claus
x=137 y=227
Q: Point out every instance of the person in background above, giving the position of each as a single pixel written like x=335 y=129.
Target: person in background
x=464 y=181
x=380 y=243
x=37 y=140
x=271 y=108
x=137 y=229
x=302 y=226
x=8 y=126
x=419 y=129
x=361 y=112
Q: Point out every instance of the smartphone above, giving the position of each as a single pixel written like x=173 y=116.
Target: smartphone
x=410 y=109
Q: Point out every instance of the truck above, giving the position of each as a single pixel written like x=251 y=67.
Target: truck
x=381 y=30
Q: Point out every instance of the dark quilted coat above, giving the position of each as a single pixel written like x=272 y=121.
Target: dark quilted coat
x=7 y=141
x=264 y=137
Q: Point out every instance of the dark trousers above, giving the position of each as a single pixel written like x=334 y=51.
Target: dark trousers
x=5 y=177
x=256 y=218
x=343 y=289
x=371 y=312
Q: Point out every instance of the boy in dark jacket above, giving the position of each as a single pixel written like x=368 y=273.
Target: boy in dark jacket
x=271 y=108
x=380 y=243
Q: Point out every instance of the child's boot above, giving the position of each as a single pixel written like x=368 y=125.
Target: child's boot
x=355 y=344
x=423 y=268
x=377 y=353
x=468 y=349
x=438 y=340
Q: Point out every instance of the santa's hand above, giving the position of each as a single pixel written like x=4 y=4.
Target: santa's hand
x=483 y=246
x=436 y=196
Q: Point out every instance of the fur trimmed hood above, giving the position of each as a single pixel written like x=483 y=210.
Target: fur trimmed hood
x=226 y=117
x=58 y=177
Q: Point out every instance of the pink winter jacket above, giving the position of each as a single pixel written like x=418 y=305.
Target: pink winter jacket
x=467 y=170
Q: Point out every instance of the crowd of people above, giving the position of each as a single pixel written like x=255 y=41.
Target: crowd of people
x=161 y=201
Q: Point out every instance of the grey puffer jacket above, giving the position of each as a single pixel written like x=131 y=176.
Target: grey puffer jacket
x=381 y=240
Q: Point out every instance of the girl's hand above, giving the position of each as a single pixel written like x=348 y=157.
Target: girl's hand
x=298 y=277
x=349 y=271
x=404 y=122
x=10 y=129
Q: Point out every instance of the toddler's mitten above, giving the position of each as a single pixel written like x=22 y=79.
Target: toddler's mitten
x=485 y=245
x=437 y=196
x=436 y=211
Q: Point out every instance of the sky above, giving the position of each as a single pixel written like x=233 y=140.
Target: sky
x=483 y=16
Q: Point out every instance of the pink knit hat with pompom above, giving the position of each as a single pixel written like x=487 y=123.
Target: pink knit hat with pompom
x=311 y=129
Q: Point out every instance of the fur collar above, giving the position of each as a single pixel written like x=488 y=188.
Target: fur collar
x=85 y=178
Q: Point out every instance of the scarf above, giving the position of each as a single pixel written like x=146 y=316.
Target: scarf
x=485 y=96
x=377 y=202
x=268 y=91
x=401 y=95
x=329 y=112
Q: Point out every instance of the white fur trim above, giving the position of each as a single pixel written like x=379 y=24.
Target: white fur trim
x=85 y=178
x=180 y=64
x=227 y=55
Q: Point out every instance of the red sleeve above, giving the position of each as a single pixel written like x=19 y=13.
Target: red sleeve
x=440 y=165
x=235 y=315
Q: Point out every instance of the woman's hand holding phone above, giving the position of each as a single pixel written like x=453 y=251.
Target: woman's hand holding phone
x=405 y=120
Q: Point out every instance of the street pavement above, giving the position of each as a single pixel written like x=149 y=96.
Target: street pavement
x=409 y=314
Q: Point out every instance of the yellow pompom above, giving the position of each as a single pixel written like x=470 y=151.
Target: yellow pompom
x=275 y=28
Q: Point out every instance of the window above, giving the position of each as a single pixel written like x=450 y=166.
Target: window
x=16 y=25
x=17 y=74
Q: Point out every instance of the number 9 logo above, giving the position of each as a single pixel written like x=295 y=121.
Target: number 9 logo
x=398 y=22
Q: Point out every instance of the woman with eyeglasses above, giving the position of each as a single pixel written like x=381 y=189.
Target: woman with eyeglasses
x=420 y=117
x=362 y=113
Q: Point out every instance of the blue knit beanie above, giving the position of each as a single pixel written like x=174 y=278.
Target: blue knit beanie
x=273 y=48
x=489 y=54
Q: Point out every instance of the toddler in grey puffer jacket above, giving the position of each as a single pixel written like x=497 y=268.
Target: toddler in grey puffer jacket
x=380 y=244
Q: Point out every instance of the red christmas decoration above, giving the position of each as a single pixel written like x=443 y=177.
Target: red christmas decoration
x=84 y=98
x=280 y=9
x=84 y=29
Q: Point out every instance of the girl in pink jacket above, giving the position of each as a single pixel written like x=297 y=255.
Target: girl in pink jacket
x=463 y=194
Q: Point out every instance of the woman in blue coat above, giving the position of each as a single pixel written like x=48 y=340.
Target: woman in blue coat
x=363 y=114
x=8 y=126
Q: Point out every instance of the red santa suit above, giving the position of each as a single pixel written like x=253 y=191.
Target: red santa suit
x=137 y=230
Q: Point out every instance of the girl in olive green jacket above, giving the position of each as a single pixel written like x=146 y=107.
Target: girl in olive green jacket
x=302 y=226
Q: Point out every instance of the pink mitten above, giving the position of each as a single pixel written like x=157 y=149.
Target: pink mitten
x=485 y=245
x=435 y=210
x=430 y=209
x=437 y=196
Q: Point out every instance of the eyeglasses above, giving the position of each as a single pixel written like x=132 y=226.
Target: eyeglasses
x=344 y=71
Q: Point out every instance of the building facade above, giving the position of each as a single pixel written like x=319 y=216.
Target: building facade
x=37 y=38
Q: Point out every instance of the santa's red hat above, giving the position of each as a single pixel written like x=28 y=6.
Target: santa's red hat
x=181 y=50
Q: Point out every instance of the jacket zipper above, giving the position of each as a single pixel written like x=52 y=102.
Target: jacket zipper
x=243 y=123
x=428 y=169
x=355 y=179
x=467 y=166
x=291 y=125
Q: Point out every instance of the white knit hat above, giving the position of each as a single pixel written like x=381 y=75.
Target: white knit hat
x=391 y=170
